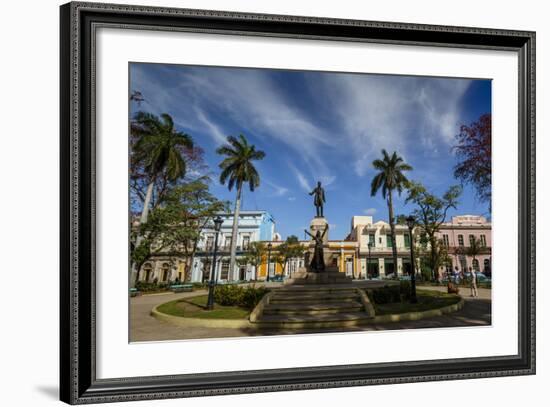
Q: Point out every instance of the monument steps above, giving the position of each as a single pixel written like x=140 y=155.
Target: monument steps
x=319 y=306
x=299 y=290
x=313 y=309
x=314 y=298
x=327 y=320
x=318 y=295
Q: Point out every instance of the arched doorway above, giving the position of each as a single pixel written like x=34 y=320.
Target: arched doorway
x=165 y=271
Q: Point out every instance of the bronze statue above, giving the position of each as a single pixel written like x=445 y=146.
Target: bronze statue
x=317 y=264
x=318 y=199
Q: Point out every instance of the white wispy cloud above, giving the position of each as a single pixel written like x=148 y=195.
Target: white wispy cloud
x=377 y=112
x=278 y=190
x=213 y=130
x=369 y=211
x=364 y=113
x=302 y=180
x=253 y=101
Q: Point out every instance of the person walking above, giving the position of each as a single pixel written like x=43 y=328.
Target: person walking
x=473 y=283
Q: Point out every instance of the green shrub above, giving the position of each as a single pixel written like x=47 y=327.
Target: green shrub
x=390 y=294
x=144 y=286
x=385 y=295
x=228 y=294
x=234 y=295
x=405 y=290
x=252 y=296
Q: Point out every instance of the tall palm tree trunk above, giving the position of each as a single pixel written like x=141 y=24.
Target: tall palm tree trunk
x=134 y=277
x=392 y=232
x=434 y=257
x=234 y=234
x=147 y=202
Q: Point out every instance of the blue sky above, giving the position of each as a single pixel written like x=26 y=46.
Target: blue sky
x=319 y=126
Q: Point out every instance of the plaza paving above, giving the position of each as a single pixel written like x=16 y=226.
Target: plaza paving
x=143 y=327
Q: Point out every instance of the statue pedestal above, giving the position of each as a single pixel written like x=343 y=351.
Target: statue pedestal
x=319 y=224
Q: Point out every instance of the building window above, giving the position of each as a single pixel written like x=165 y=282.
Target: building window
x=472 y=240
x=148 y=270
x=460 y=240
x=228 y=242
x=483 y=241
x=407 y=240
x=246 y=242
x=209 y=242
x=388 y=241
x=446 y=240
x=225 y=269
x=165 y=271
x=371 y=239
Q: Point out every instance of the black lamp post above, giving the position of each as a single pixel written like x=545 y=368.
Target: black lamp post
x=410 y=224
x=217 y=226
x=368 y=261
x=269 y=246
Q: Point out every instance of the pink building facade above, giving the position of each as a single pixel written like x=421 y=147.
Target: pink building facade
x=458 y=236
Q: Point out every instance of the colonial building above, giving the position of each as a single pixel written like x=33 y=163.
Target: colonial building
x=366 y=251
x=459 y=235
x=253 y=226
x=374 y=247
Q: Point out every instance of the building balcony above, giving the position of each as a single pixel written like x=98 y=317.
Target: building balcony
x=384 y=250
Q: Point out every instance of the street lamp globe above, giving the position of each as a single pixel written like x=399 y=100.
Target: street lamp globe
x=218 y=223
x=411 y=221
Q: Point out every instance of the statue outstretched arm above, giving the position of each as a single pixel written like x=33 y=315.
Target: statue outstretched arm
x=325 y=231
x=309 y=233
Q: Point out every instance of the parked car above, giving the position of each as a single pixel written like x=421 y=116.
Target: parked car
x=481 y=278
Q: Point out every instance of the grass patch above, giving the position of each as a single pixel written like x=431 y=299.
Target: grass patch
x=196 y=308
x=427 y=300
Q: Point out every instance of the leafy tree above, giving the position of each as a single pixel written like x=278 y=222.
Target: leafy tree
x=153 y=238
x=430 y=214
x=254 y=256
x=192 y=208
x=290 y=249
x=474 y=153
x=390 y=178
x=237 y=169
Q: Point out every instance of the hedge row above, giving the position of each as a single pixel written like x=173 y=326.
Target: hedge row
x=390 y=293
x=235 y=295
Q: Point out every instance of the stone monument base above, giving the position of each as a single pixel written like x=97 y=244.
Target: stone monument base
x=319 y=224
x=331 y=275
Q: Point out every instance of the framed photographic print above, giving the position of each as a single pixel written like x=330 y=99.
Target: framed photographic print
x=255 y=203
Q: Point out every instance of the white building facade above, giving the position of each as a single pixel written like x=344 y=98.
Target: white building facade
x=254 y=226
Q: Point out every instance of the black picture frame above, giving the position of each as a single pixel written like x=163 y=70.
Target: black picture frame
x=78 y=382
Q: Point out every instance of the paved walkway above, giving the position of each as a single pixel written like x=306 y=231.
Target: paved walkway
x=143 y=327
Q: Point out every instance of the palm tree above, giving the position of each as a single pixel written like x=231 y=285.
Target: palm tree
x=238 y=169
x=389 y=178
x=159 y=150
